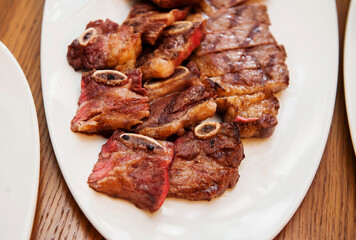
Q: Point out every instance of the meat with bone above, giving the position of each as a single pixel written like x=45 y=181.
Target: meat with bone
x=173 y=3
x=240 y=27
x=103 y=45
x=180 y=39
x=171 y=113
x=206 y=161
x=149 y=21
x=182 y=78
x=110 y=100
x=217 y=64
x=134 y=167
x=255 y=114
x=273 y=78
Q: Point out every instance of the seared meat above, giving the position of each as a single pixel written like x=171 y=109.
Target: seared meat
x=105 y=45
x=273 y=78
x=135 y=168
x=147 y=19
x=173 y=3
x=255 y=114
x=205 y=162
x=182 y=78
x=180 y=39
x=110 y=100
x=210 y=6
x=217 y=64
x=171 y=113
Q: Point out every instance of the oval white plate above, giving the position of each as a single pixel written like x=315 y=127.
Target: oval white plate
x=276 y=172
x=20 y=150
x=350 y=70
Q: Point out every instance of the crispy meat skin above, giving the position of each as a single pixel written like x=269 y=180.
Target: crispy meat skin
x=105 y=108
x=171 y=52
x=203 y=169
x=274 y=78
x=112 y=46
x=173 y=3
x=134 y=170
x=255 y=114
x=231 y=61
x=149 y=21
x=171 y=113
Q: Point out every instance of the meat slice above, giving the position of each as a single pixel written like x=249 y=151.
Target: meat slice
x=110 y=100
x=217 y=64
x=104 y=45
x=182 y=78
x=180 y=39
x=149 y=21
x=210 y=6
x=206 y=161
x=135 y=168
x=173 y=3
x=171 y=113
x=273 y=78
x=255 y=114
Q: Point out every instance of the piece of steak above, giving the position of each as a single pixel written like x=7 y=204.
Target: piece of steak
x=172 y=113
x=273 y=78
x=135 y=168
x=206 y=161
x=150 y=22
x=210 y=6
x=256 y=114
x=182 y=78
x=180 y=39
x=173 y=3
x=105 y=45
x=231 y=61
x=110 y=100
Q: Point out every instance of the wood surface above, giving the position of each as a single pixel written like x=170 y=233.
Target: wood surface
x=327 y=212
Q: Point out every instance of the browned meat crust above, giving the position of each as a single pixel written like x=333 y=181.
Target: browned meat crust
x=231 y=61
x=171 y=113
x=180 y=39
x=105 y=45
x=135 y=168
x=149 y=21
x=210 y=6
x=273 y=78
x=173 y=3
x=255 y=114
x=108 y=103
x=204 y=167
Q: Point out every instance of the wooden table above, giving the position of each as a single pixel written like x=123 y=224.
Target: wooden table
x=327 y=212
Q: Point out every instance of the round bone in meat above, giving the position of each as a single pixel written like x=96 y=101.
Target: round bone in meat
x=207 y=129
x=110 y=77
x=87 y=36
x=139 y=139
x=180 y=72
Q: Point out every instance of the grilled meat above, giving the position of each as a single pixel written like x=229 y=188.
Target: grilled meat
x=103 y=45
x=255 y=114
x=180 y=39
x=173 y=3
x=149 y=21
x=210 y=6
x=171 y=113
x=135 y=168
x=110 y=100
x=206 y=161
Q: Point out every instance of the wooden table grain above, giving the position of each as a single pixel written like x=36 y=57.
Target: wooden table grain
x=327 y=212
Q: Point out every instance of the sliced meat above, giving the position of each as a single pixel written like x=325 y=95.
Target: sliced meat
x=274 y=78
x=182 y=78
x=256 y=114
x=110 y=100
x=135 y=168
x=171 y=113
x=210 y=6
x=104 y=45
x=231 y=61
x=173 y=3
x=180 y=39
x=150 y=22
x=206 y=161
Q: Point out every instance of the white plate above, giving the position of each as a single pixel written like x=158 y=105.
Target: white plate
x=20 y=150
x=276 y=172
x=350 y=70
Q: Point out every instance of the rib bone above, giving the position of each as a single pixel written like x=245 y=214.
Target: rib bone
x=110 y=77
x=139 y=139
x=206 y=129
x=87 y=36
